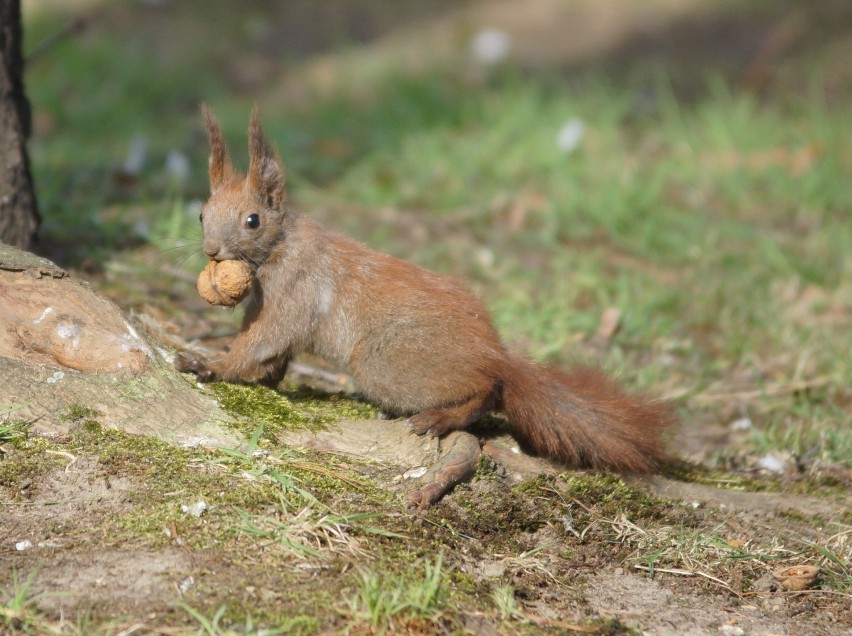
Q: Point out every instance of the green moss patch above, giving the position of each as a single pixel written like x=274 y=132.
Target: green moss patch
x=27 y=459
x=298 y=408
x=242 y=490
x=815 y=484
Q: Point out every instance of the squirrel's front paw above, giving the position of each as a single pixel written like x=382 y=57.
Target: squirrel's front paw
x=432 y=423
x=186 y=363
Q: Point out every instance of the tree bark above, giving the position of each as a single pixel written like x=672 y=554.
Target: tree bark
x=19 y=217
x=62 y=345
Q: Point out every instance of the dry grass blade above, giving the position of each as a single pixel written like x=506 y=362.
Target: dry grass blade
x=776 y=389
x=73 y=458
x=687 y=573
x=317 y=469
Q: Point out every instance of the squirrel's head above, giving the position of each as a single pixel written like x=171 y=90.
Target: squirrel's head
x=245 y=216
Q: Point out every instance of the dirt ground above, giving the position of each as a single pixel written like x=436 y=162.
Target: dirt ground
x=78 y=566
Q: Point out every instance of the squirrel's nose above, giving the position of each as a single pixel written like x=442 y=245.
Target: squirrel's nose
x=211 y=249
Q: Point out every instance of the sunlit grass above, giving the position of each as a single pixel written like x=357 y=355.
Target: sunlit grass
x=717 y=225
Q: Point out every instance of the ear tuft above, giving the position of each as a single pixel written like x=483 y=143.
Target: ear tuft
x=220 y=168
x=266 y=172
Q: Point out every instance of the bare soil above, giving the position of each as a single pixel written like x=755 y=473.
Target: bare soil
x=79 y=565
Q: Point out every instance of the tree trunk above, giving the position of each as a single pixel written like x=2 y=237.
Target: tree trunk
x=19 y=218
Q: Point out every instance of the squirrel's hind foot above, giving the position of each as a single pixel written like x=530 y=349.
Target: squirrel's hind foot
x=440 y=421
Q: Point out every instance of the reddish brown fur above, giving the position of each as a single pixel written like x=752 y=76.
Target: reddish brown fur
x=584 y=418
x=415 y=342
x=220 y=168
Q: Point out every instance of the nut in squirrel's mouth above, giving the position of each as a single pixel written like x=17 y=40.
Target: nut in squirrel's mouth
x=252 y=267
x=225 y=282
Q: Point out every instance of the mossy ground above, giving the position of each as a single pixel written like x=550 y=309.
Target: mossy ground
x=300 y=541
x=288 y=408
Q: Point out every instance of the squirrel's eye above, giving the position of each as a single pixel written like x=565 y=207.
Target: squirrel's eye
x=253 y=221
x=201 y=218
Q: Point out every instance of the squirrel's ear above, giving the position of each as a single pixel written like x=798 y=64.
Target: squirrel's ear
x=266 y=172
x=220 y=165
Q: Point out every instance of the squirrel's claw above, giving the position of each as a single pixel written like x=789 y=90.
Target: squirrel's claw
x=430 y=423
x=186 y=363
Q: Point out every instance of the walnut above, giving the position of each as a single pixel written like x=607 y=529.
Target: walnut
x=225 y=282
x=797 y=577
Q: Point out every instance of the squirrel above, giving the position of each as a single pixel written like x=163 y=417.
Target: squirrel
x=415 y=342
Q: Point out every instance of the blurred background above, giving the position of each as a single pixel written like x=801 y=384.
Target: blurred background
x=659 y=185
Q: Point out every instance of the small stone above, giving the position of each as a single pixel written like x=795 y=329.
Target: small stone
x=491 y=45
x=26 y=544
x=196 y=509
x=772 y=463
x=731 y=630
x=570 y=136
x=415 y=473
x=187 y=584
x=741 y=424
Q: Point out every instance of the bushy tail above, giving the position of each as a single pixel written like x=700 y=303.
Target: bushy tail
x=583 y=418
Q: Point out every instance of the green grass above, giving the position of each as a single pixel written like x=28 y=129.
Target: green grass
x=382 y=602
x=718 y=225
x=216 y=624
x=11 y=430
x=18 y=607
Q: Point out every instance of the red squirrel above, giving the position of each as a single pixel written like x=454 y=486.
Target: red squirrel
x=415 y=342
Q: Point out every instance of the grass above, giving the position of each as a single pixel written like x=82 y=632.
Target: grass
x=300 y=523
x=11 y=430
x=18 y=607
x=504 y=600
x=385 y=603
x=717 y=229
x=213 y=625
x=265 y=513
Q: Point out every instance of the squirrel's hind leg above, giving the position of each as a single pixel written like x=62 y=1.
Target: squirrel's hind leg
x=454 y=417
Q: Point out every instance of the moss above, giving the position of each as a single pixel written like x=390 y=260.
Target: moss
x=816 y=486
x=463 y=583
x=300 y=408
x=538 y=486
x=567 y=553
x=497 y=516
x=134 y=454
x=486 y=470
x=235 y=486
x=28 y=459
x=77 y=412
x=164 y=470
x=612 y=496
x=260 y=599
